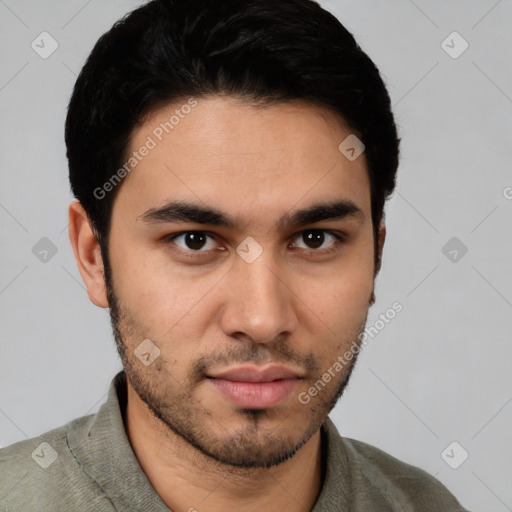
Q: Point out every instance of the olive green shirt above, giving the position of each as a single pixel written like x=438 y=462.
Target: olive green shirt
x=89 y=465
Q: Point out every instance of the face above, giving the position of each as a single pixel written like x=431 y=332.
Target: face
x=242 y=267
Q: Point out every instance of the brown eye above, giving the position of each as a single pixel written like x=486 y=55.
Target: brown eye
x=193 y=241
x=319 y=241
x=313 y=238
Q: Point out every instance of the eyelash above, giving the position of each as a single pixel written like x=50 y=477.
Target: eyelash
x=339 y=239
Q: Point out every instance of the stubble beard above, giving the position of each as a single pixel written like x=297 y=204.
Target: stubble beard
x=183 y=418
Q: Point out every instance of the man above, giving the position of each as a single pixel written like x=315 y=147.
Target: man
x=231 y=161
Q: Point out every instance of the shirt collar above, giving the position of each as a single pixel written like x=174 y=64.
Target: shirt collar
x=104 y=451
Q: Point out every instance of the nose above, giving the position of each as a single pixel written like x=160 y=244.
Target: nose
x=259 y=303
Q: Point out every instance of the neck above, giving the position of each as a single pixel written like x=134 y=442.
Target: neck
x=187 y=480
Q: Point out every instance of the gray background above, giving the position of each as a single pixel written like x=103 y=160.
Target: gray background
x=438 y=373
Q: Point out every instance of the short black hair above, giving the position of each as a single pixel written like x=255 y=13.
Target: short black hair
x=263 y=51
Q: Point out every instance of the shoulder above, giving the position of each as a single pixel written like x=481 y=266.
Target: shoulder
x=45 y=465
x=363 y=477
x=406 y=485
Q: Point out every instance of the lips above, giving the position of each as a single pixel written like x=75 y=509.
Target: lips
x=252 y=387
x=254 y=374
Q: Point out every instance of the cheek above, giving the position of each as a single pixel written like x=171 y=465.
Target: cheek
x=343 y=308
x=343 y=292
x=341 y=301
x=165 y=301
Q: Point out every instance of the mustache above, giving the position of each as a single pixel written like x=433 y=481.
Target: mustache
x=257 y=354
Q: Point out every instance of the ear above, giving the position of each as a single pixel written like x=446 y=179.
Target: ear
x=381 y=240
x=87 y=254
x=378 y=262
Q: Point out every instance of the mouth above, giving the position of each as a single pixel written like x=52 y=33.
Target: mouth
x=253 y=387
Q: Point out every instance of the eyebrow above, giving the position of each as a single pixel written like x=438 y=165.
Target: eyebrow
x=180 y=211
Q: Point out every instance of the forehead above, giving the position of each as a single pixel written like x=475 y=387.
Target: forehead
x=222 y=151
